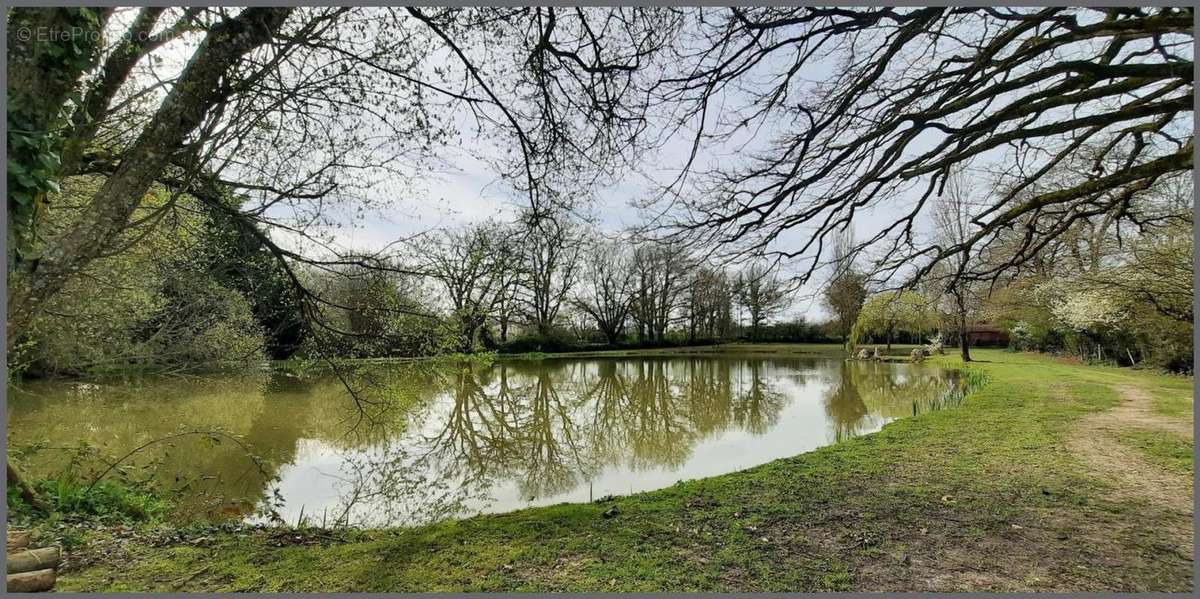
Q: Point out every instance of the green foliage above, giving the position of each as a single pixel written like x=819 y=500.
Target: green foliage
x=1137 y=311
x=844 y=297
x=886 y=314
x=156 y=303
x=375 y=313
x=238 y=259
x=35 y=124
x=796 y=330
x=219 y=329
x=107 y=502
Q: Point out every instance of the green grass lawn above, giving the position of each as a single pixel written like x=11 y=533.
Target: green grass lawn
x=982 y=497
x=1167 y=451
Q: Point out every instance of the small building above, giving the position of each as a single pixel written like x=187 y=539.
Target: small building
x=986 y=334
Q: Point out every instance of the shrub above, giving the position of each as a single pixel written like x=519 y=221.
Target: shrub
x=106 y=502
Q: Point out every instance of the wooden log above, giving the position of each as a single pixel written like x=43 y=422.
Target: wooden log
x=28 y=560
x=17 y=539
x=31 y=582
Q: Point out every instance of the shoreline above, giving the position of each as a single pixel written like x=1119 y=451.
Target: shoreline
x=981 y=497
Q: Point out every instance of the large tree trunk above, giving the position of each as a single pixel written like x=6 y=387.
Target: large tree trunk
x=963 y=338
x=192 y=98
x=87 y=118
x=43 y=73
x=199 y=88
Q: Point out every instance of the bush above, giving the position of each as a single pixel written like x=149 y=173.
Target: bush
x=106 y=502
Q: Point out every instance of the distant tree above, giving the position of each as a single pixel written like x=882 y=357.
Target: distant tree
x=762 y=294
x=844 y=296
x=473 y=265
x=606 y=287
x=507 y=304
x=660 y=275
x=887 y=313
x=376 y=310
x=847 y=288
x=709 y=303
x=952 y=216
x=548 y=255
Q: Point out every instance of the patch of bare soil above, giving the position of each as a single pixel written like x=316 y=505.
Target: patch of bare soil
x=1095 y=442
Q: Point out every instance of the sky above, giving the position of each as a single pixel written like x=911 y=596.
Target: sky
x=462 y=188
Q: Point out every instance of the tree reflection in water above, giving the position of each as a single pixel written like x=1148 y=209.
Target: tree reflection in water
x=868 y=394
x=423 y=442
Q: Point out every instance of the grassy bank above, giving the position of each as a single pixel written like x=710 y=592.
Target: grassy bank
x=988 y=496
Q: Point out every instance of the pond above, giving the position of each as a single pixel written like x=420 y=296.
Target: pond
x=394 y=444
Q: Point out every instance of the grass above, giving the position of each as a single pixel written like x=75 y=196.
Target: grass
x=1173 y=396
x=982 y=497
x=1167 y=451
x=105 y=503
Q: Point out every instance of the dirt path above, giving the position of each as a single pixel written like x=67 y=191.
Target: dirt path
x=1095 y=441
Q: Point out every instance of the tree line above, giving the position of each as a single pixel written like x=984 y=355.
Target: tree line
x=195 y=292
x=199 y=292
x=274 y=118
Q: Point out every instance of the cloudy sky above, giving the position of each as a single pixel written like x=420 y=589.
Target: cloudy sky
x=462 y=187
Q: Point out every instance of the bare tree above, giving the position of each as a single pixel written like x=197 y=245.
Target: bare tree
x=606 y=290
x=762 y=293
x=660 y=272
x=507 y=304
x=952 y=221
x=549 y=252
x=473 y=266
x=908 y=95
x=709 y=303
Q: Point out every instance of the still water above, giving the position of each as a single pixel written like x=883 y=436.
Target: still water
x=420 y=442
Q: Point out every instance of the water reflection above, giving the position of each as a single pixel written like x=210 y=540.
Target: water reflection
x=420 y=442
